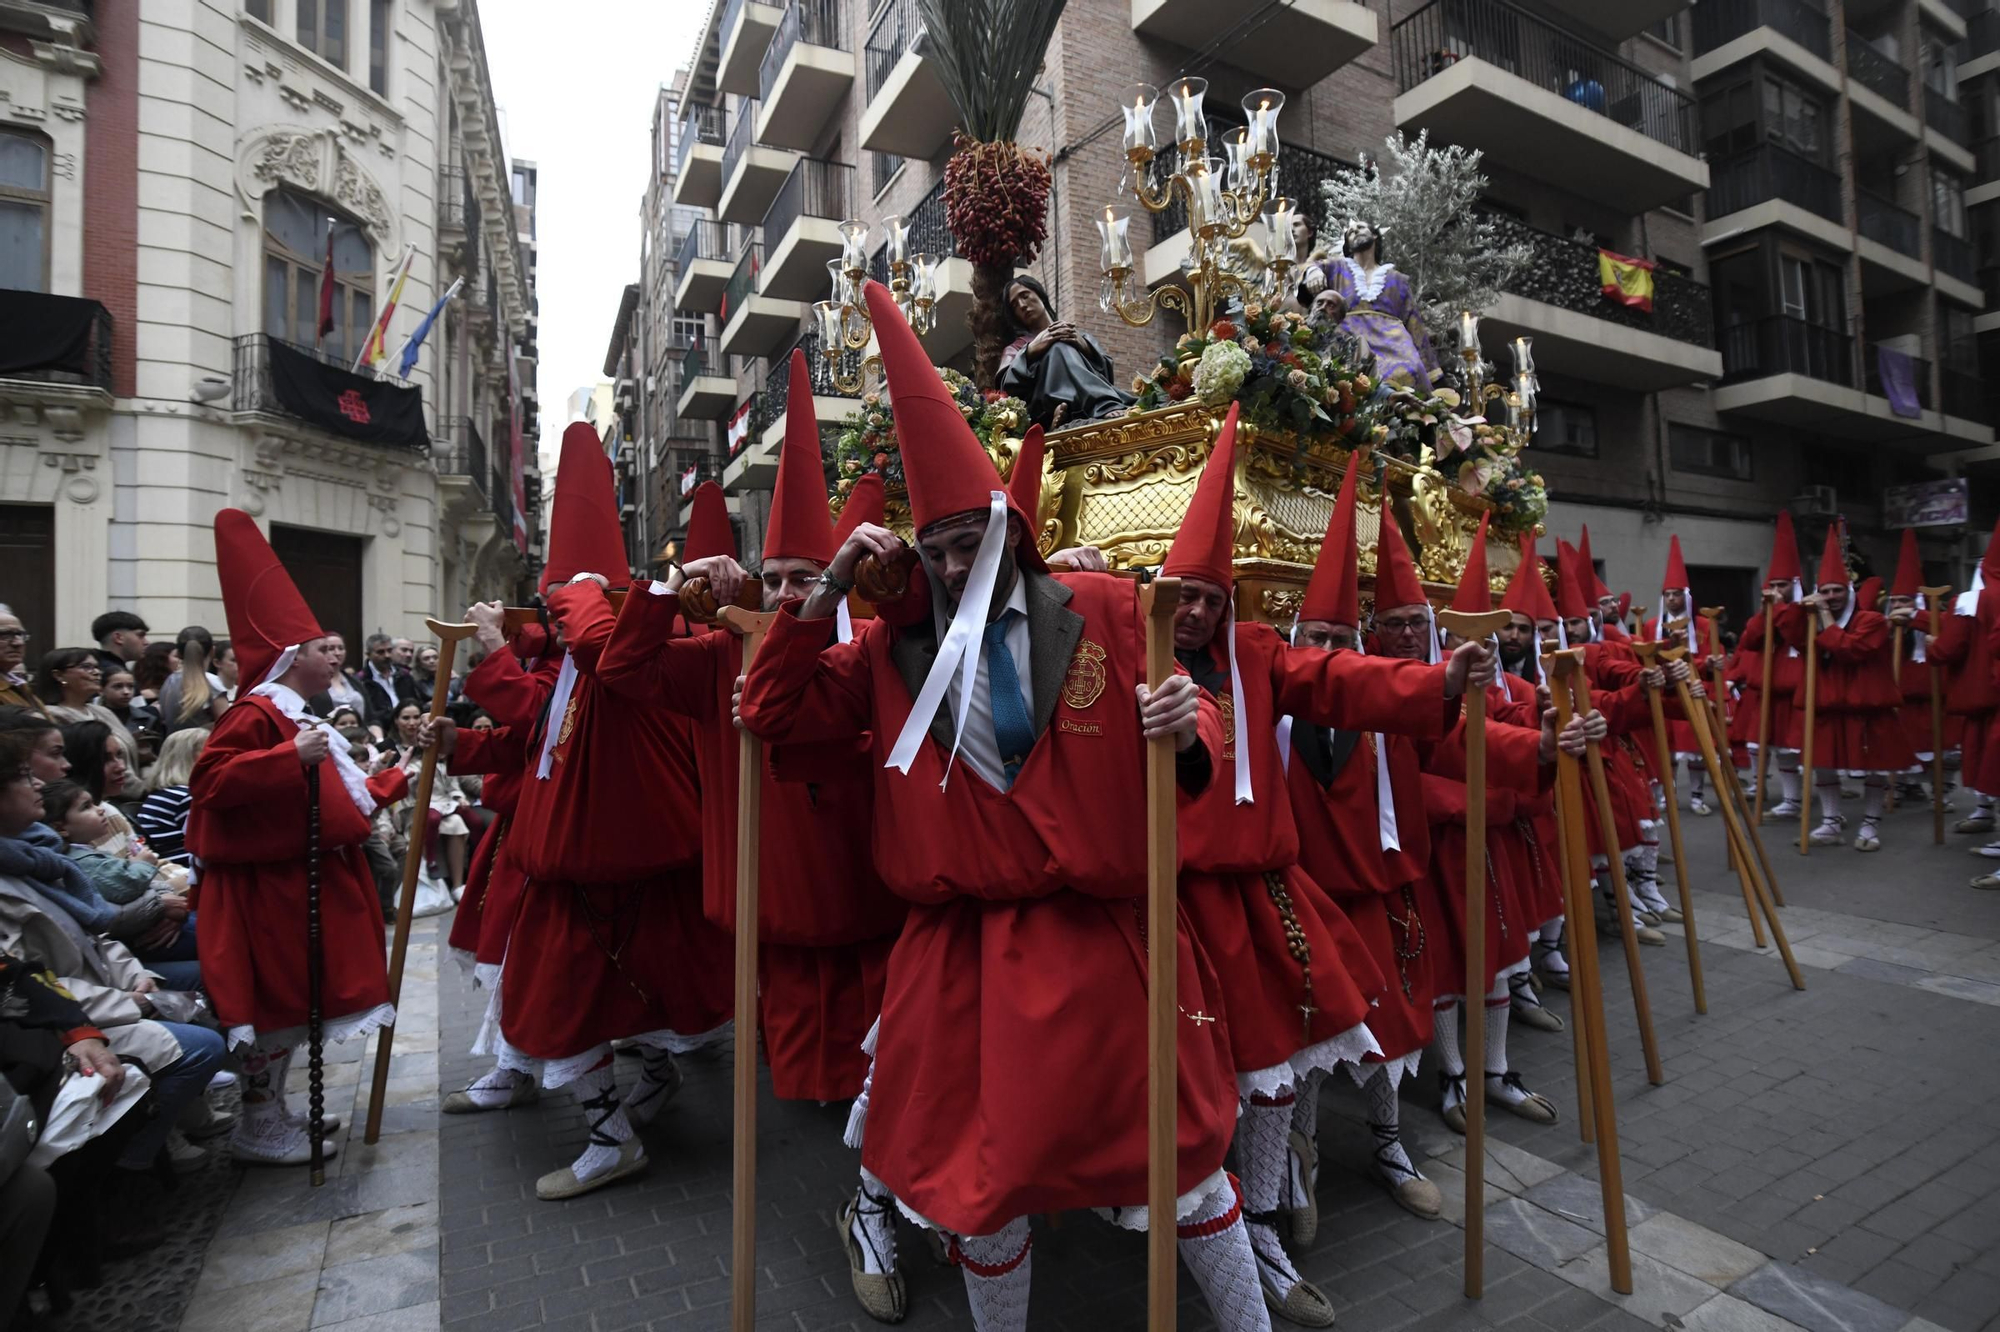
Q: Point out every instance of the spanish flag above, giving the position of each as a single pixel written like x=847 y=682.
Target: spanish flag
x=1626 y=280
x=376 y=348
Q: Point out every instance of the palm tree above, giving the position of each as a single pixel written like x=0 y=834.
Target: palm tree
x=996 y=193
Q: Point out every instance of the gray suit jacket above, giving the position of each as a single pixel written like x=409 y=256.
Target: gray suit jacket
x=1053 y=632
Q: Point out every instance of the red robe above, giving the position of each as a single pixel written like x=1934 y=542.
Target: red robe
x=1536 y=851
x=1788 y=673
x=1229 y=851
x=609 y=940
x=1964 y=648
x=1010 y=1070
x=247 y=823
x=1915 y=713
x=1613 y=675
x=1680 y=734
x=1855 y=721
x=825 y=922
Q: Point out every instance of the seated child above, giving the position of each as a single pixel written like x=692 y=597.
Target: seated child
x=120 y=876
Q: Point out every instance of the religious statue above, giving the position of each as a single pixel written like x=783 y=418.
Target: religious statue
x=1056 y=368
x=1373 y=303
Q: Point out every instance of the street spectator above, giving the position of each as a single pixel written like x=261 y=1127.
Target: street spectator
x=194 y=695
x=150 y=672
x=344 y=719
x=444 y=828
x=162 y=816
x=68 y=683
x=15 y=690
x=121 y=638
x=47 y=749
x=343 y=692
x=424 y=675
x=120 y=696
x=125 y=877
x=403 y=652
x=383 y=686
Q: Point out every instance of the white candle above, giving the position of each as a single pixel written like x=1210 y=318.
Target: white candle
x=1137 y=103
x=1468 y=331
x=1114 y=238
x=1260 y=110
x=896 y=231
x=1524 y=362
x=1188 y=121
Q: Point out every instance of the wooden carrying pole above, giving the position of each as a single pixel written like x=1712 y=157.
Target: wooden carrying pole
x=1157 y=600
x=1621 y=895
x=1718 y=702
x=1935 y=598
x=1586 y=991
x=1809 y=787
x=1576 y=903
x=751 y=627
x=1649 y=654
x=1764 y=703
x=448 y=636
x=1475 y=627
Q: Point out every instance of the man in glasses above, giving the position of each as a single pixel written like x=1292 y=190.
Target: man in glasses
x=14 y=683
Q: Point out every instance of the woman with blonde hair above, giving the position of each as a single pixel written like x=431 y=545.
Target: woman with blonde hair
x=194 y=695
x=162 y=817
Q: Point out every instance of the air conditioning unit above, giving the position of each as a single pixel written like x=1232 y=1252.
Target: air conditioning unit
x=1816 y=502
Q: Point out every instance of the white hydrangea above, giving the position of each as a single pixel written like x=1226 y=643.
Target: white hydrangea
x=1219 y=373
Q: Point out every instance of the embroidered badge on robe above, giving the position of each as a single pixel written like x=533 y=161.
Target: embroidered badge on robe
x=1084 y=683
x=1227 y=705
x=568 y=724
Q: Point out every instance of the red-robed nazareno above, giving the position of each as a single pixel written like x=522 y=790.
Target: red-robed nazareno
x=1010 y=1066
x=1612 y=671
x=1387 y=895
x=609 y=939
x=1964 y=648
x=825 y=922
x=1856 y=726
x=247 y=823
x=1680 y=734
x=1915 y=713
x=1537 y=868
x=1788 y=673
x=1227 y=849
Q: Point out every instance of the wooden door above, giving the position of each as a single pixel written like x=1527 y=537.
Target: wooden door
x=327 y=569
x=28 y=588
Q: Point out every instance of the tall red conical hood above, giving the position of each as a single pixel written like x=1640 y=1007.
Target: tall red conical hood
x=1395 y=577
x=1869 y=593
x=1989 y=563
x=1205 y=547
x=709 y=531
x=1334 y=594
x=1784 y=551
x=1832 y=569
x=265 y=611
x=865 y=503
x=1475 y=589
x=1573 y=585
x=1527 y=594
x=584 y=532
x=1676 y=579
x=1909 y=567
x=1597 y=588
x=800 y=527
x=1024 y=483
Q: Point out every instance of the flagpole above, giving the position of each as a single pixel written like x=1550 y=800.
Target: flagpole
x=380 y=328
x=425 y=324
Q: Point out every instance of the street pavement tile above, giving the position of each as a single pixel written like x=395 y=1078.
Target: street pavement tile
x=1580 y=1200
x=284 y=1304
x=1726 y=1313
x=411 y=1318
x=376 y=1285
x=1539 y=1236
x=1695 y=1250
x=379 y=1234
x=263 y=1255
x=1815 y=1303
x=1660 y=1295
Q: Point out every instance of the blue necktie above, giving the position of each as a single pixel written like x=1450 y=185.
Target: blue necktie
x=1012 y=727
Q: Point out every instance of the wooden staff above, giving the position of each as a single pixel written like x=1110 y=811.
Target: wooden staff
x=1157 y=600
x=1586 y=992
x=315 y=986
x=1811 y=786
x=1718 y=696
x=1728 y=784
x=1621 y=896
x=448 y=636
x=1649 y=654
x=1475 y=627
x=1764 y=701
x=750 y=626
x=1936 y=597
x=1576 y=901
x=1722 y=797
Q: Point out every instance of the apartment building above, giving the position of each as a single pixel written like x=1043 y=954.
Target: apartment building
x=172 y=179
x=1802 y=173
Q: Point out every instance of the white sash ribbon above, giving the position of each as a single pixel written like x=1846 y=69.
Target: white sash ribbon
x=958 y=652
x=558 y=708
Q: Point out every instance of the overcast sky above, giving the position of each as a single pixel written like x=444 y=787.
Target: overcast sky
x=582 y=110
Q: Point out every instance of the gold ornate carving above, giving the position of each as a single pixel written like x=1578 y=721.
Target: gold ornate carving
x=1084 y=683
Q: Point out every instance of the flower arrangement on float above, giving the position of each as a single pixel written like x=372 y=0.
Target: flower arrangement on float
x=866 y=441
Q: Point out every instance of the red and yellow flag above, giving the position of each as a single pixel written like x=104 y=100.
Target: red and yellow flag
x=1626 y=280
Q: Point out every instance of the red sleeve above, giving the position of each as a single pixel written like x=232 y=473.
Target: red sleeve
x=502 y=749
x=388 y=786
x=803 y=688
x=1865 y=639
x=240 y=766
x=1953 y=639
x=646 y=662
x=1350 y=692
x=1791 y=619
x=1625 y=708
x=583 y=612
x=507 y=690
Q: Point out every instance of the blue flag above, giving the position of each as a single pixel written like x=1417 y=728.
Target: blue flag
x=416 y=342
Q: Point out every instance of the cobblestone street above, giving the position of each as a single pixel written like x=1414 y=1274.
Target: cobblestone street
x=1827 y=1160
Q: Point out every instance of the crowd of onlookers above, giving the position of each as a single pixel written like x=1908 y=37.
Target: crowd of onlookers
x=111 y=1063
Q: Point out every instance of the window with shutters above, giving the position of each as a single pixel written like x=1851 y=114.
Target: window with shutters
x=295 y=244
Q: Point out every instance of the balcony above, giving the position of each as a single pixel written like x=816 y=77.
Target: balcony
x=949 y=334
x=1617 y=22
x=1790 y=372
x=1950 y=128
x=458 y=451
x=802 y=228
x=1965 y=397
x=751 y=172
x=1920 y=372
x=1300 y=170
x=1293 y=46
x=1891 y=245
x=708 y=389
x=755 y=324
x=805 y=75
x=63 y=366
x=703 y=267
x=755 y=465
x=1796 y=31
x=746 y=34
x=1955 y=257
x=1987 y=175
x=1545 y=102
x=452 y=209
x=1982 y=45
x=315 y=389
x=907 y=112
x=1877 y=72
x=64 y=21
x=706 y=467
x=698 y=163
x=1769 y=186
x=1579 y=333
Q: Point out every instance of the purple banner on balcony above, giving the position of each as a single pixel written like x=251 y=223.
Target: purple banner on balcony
x=1899 y=381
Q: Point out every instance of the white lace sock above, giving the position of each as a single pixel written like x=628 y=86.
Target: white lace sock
x=1268 y=1253
x=997 y=1269
x=1789 y=782
x=1695 y=775
x=1451 y=1064
x=1876 y=792
x=264 y=1113
x=659 y=1081
x=1497 y=1007
x=1305 y=1122
x=1548 y=947
x=1829 y=798
x=874 y=1225
x=496 y=1087
x=1216 y=1246
x=1385 y=1121
x=1263 y=1148
x=597 y=1092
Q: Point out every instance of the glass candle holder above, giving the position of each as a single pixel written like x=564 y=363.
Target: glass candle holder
x=854 y=245
x=1137 y=103
x=1260 y=111
x=1278 y=228
x=836 y=272
x=1524 y=360
x=1236 y=151
x=1187 y=95
x=896 y=234
x=1468 y=331
x=1208 y=206
x=826 y=323
x=1114 y=238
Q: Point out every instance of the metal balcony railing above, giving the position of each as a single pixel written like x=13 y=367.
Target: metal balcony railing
x=70 y=342
x=1784 y=344
x=742 y=282
x=1982 y=33
x=1966 y=395
x=1444 y=32
x=729 y=13
x=1769 y=172
x=1300 y=170
x=706 y=239
x=814 y=189
x=250 y=375
x=696 y=362
x=697 y=470
x=1954 y=255
x=814 y=22
x=756 y=420
x=740 y=138
x=1876 y=71
x=1947 y=117
x=1563 y=273
x=501 y=495
x=1803 y=21
x=778 y=381
x=1989 y=158
x=896 y=28
x=458 y=449
x=451 y=199
x=702 y=124
x=1882 y=221
x=928 y=234
x=1920 y=372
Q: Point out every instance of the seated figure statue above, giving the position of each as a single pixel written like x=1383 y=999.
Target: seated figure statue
x=1373 y=302
x=1056 y=368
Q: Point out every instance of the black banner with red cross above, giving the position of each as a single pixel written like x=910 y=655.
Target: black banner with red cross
x=356 y=406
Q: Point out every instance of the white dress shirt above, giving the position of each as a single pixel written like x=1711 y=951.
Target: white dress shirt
x=979 y=746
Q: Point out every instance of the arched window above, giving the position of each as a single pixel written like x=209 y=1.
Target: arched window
x=24 y=211
x=295 y=236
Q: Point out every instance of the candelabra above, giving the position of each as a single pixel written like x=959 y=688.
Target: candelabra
x=842 y=322
x=1481 y=390
x=1224 y=197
